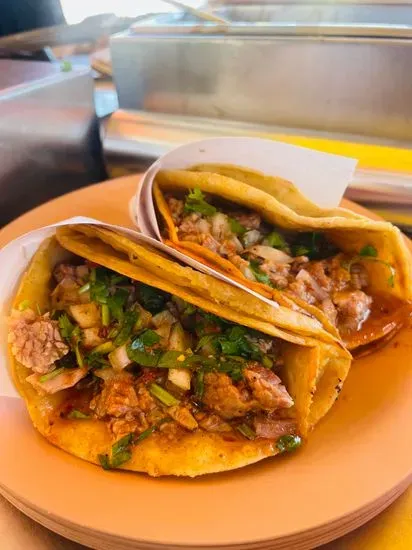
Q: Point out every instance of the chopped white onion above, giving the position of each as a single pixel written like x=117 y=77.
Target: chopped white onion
x=271 y=254
x=85 y=315
x=220 y=226
x=251 y=237
x=119 y=358
x=180 y=378
x=163 y=318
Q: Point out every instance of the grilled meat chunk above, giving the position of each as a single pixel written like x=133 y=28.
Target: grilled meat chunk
x=35 y=341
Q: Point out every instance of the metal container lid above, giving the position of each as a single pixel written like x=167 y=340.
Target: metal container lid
x=284 y=19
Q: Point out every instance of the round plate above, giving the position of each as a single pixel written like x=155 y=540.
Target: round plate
x=354 y=464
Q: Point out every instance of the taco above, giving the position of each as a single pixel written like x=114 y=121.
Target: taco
x=349 y=272
x=124 y=366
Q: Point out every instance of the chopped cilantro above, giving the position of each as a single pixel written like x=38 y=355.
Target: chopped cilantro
x=51 y=375
x=195 y=202
x=120 y=458
x=143 y=358
x=276 y=240
x=205 y=340
x=300 y=250
x=369 y=251
x=152 y=299
x=116 y=303
x=96 y=361
x=122 y=444
x=174 y=359
x=66 y=326
x=234 y=342
x=246 y=431
x=229 y=347
x=122 y=450
x=236 y=227
x=234 y=369
x=258 y=273
x=314 y=245
x=137 y=349
x=99 y=285
x=148 y=432
x=146 y=339
x=72 y=334
x=104 y=461
x=126 y=329
x=121 y=453
x=288 y=443
x=149 y=338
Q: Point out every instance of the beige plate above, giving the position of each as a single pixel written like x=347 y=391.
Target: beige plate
x=355 y=463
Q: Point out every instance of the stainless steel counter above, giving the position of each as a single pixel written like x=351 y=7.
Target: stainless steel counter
x=344 y=68
x=49 y=139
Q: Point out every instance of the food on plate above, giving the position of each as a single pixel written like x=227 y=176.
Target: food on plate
x=351 y=273
x=129 y=360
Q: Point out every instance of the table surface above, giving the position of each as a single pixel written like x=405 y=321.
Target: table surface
x=391 y=530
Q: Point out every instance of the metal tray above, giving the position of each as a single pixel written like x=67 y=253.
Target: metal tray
x=306 y=66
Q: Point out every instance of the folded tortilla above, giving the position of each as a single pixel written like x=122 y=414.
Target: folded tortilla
x=377 y=248
x=313 y=369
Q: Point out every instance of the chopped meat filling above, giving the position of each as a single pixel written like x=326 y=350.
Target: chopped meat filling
x=267 y=388
x=222 y=396
x=268 y=427
x=176 y=207
x=245 y=240
x=183 y=416
x=249 y=220
x=35 y=341
x=278 y=273
x=212 y=422
x=142 y=361
x=353 y=308
x=262 y=390
x=120 y=397
x=77 y=273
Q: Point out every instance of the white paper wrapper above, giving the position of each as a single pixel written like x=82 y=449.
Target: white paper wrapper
x=322 y=177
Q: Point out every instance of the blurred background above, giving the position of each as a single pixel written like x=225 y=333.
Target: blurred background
x=75 y=12
x=93 y=90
